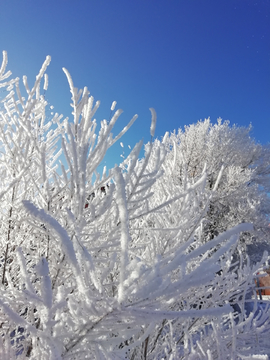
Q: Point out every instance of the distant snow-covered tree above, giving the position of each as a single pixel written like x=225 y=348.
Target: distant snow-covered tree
x=241 y=166
x=96 y=266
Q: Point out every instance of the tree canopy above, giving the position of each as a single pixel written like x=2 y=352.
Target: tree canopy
x=240 y=165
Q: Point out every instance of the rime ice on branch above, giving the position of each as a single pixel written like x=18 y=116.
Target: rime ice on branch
x=111 y=266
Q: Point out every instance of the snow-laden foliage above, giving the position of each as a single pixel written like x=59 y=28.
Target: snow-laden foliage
x=96 y=267
x=241 y=166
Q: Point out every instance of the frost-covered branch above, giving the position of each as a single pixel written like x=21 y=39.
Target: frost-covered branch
x=115 y=265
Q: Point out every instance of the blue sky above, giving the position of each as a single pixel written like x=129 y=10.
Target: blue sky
x=187 y=59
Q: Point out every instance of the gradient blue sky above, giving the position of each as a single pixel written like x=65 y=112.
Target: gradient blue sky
x=187 y=59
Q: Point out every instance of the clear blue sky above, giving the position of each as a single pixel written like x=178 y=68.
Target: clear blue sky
x=187 y=59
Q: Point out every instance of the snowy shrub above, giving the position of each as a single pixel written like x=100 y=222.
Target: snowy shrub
x=96 y=266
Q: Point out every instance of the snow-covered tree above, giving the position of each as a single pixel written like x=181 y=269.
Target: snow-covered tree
x=242 y=167
x=94 y=266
